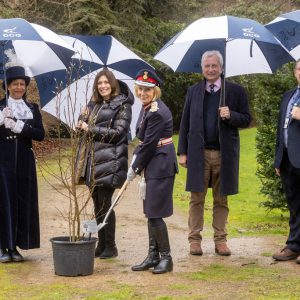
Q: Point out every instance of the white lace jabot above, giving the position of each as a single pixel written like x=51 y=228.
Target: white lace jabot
x=20 y=110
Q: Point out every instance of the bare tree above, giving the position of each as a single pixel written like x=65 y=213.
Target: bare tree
x=61 y=171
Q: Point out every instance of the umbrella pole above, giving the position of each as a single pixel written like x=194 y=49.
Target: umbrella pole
x=222 y=100
x=222 y=96
x=123 y=188
x=3 y=43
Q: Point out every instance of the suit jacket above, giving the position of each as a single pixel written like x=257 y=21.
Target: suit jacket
x=191 y=136
x=293 y=142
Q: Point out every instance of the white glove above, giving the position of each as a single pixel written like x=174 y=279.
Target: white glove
x=130 y=174
x=19 y=126
x=9 y=123
x=7 y=112
x=142 y=189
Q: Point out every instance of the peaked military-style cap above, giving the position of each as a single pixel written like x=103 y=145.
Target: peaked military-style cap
x=147 y=78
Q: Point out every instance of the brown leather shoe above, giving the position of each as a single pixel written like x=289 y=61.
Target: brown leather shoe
x=222 y=249
x=286 y=254
x=195 y=248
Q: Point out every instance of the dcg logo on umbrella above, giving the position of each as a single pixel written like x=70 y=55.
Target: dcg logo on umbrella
x=248 y=32
x=10 y=33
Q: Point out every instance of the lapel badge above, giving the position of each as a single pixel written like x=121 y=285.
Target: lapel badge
x=154 y=107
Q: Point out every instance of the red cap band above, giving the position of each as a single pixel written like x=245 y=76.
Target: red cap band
x=150 y=80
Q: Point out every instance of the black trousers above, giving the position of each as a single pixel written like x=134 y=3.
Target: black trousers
x=102 y=197
x=290 y=177
x=155 y=222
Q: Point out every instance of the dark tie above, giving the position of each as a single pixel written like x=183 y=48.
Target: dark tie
x=211 y=88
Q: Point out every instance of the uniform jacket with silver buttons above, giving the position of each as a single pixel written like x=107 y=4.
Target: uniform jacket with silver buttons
x=157 y=161
x=19 y=215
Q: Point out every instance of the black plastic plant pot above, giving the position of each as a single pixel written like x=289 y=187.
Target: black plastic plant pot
x=73 y=258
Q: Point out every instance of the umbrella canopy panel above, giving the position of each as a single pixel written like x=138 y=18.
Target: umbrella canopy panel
x=17 y=29
x=286 y=28
x=112 y=54
x=39 y=49
x=246 y=45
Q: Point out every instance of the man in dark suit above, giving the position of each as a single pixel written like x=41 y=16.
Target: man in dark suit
x=287 y=165
x=209 y=148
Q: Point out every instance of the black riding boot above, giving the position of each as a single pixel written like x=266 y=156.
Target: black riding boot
x=152 y=259
x=110 y=249
x=161 y=236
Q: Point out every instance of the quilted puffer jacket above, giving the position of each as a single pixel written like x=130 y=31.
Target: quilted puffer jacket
x=109 y=127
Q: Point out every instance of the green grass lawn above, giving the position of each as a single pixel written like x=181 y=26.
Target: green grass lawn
x=247 y=217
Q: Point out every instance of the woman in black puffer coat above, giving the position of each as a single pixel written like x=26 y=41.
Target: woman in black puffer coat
x=107 y=120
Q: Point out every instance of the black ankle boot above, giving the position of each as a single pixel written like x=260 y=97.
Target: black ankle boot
x=15 y=255
x=162 y=239
x=109 y=252
x=152 y=259
x=165 y=264
x=99 y=249
x=4 y=256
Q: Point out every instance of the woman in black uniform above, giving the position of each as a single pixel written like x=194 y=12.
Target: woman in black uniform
x=20 y=124
x=155 y=157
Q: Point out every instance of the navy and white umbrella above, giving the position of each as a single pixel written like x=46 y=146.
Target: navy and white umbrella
x=39 y=49
x=286 y=28
x=108 y=52
x=64 y=93
x=247 y=46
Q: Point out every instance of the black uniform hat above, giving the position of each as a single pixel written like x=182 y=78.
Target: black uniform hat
x=16 y=72
x=148 y=78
